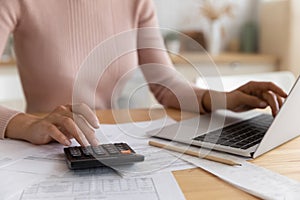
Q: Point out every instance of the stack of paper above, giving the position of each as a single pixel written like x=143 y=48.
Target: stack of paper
x=40 y=172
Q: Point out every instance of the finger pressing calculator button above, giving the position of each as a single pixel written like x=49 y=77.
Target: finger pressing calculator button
x=75 y=152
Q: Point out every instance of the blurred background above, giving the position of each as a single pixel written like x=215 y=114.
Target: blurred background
x=244 y=37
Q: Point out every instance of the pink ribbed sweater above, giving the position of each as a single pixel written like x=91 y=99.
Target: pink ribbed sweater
x=54 y=37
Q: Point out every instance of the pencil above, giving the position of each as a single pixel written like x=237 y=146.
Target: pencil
x=193 y=153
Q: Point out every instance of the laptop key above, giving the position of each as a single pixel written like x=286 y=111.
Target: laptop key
x=225 y=143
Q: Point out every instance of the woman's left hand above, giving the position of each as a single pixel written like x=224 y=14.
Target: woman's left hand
x=256 y=95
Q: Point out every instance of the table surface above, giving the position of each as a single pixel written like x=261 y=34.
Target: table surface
x=196 y=57
x=199 y=184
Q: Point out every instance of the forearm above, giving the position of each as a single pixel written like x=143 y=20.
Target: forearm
x=17 y=125
x=213 y=100
x=182 y=96
x=194 y=100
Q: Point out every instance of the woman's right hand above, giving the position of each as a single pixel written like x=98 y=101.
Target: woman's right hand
x=61 y=125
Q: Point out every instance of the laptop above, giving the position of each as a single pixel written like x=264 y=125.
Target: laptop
x=248 y=134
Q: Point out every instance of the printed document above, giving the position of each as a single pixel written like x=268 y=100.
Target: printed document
x=24 y=164
x=88 y=185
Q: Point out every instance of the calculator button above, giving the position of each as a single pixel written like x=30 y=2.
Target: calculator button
x=99 y=150
x=110 y=148
x=122 y=146
x=126 y=152
x=75 y=152
x=87 y=151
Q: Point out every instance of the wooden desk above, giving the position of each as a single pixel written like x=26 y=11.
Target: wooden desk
x=196 y=57
x=198 y=184
x=9 y=63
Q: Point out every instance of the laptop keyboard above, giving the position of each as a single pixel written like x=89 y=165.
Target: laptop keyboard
x=241 y=135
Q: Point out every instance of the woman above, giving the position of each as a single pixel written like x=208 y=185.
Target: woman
x=52 y=39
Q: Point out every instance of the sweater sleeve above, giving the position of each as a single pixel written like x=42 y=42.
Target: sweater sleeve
x=5 y=116
x=9 y=15
x=168 y=86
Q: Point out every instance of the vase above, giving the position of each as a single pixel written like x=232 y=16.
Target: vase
x=214 y=38
x=173 y=46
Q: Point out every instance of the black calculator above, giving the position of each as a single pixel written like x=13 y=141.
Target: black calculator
x=103 y=155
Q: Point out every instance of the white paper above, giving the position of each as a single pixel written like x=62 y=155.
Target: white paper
x=156 y=160
x=42 y=167
x=23 y=164
x=13 y=150
x=21 y=160
x=38 y=159
x=13 y=183
x=131 y=132
x=109 y=186
x=253 y=179
x=53 y=152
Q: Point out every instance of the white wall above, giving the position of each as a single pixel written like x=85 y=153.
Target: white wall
x=280 y=30
x=11 y=92
x=184 y=15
